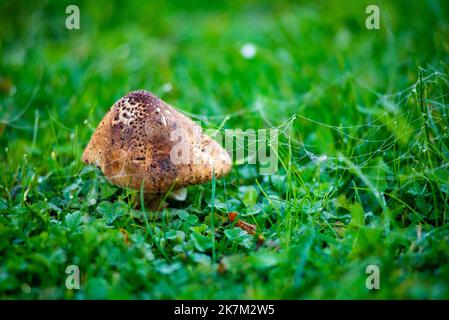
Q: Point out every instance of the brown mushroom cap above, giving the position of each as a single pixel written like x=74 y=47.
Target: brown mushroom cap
x=135 y=142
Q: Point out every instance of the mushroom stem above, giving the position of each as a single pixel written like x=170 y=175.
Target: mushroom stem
x=152 y=202
x=155 y=203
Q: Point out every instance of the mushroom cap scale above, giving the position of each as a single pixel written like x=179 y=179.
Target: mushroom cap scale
x=138 y=140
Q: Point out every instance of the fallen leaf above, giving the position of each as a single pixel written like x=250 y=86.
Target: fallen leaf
x=222 y=268
x=248 y=227
x=125 y=235
x=260 y=240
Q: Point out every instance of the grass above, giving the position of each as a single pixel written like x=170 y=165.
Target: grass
x=363 y=150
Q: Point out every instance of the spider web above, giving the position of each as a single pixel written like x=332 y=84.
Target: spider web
x=401 y=127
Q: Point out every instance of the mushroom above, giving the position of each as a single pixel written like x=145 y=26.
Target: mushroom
x=143 y=142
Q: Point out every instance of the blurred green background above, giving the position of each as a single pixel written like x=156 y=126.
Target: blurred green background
x=363 y=151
